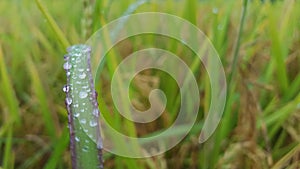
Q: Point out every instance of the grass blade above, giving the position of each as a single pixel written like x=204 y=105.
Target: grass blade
x=59 y=148
x=8 y=92
x=62 y=39
x=82 y=106
x=40 y=92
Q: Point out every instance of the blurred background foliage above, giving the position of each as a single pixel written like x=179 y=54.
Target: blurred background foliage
x=260 y=125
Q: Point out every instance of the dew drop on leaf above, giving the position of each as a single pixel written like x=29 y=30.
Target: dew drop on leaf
x=82 y=75
x=66 y=57
x=69 y=101
x=67 y=66
x=93 y=123
x=77 y=54
x=85 y=149
x=66 y=88
x=76 y=114
x=83 y=121
x=83 y=94
x=95 y=112
x=85 y=87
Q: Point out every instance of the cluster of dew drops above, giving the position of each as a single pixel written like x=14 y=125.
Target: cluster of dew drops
x=75 y=55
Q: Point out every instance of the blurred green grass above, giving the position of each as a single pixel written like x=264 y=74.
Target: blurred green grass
x=260 y=126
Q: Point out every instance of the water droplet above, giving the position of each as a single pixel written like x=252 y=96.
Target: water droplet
x=85 y=149
x=77 y=139
x=83 y=94
x=76 y=105
x=99 y=143
x=68 y=101
x=67 y=66
x=71 y=48
x=93 y=123
x=82 y=75
x=80 y=70
x=78 y=61
x=86 y=49
x=77 y=54
x=66 y=57
x=85 y=87
x=83 y=121
x=82 y=110
x=95 y=112
x=68 y=74
x=66 y=88
x=76 y=114
x=215 y=10
x=86 y=141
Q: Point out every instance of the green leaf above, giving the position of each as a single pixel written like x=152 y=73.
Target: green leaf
x=82 y=106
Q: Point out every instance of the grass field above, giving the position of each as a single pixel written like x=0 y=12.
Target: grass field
x=258 y=44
